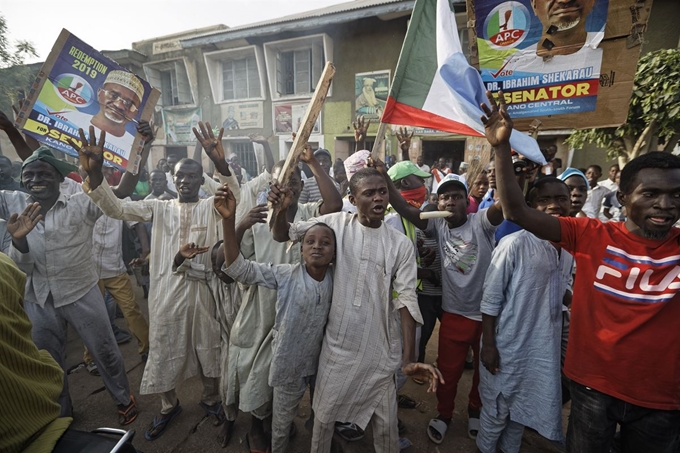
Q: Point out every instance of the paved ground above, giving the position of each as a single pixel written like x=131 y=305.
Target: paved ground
x=193 y=432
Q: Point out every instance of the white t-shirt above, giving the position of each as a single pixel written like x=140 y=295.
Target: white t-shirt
x=465 y=255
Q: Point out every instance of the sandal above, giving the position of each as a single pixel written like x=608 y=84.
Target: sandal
x=404 y=402
x=215 y=409
x=128 y=414
x=349 y=432
x=159 y=424
x=439 y=427
x=473 y=423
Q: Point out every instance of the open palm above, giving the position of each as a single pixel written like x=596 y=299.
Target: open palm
x=497 y=122
x=18 y=226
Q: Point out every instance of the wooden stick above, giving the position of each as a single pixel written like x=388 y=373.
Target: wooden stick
x=306 y=127
x=379 y=140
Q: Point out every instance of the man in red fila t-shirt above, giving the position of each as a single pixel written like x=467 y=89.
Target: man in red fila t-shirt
x=624 y=345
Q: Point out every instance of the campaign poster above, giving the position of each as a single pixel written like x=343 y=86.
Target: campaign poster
x=288 y=118
x=248 y=115
x=78 y=87
x=179 y=124
x=544 y=55
x=370 y=94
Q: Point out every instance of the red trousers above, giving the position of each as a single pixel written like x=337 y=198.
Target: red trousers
x=456 y=335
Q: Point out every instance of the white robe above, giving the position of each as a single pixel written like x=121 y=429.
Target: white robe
x=184 y=331
x=375 y=276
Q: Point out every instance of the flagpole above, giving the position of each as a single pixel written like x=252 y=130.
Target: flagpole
x=379 y=141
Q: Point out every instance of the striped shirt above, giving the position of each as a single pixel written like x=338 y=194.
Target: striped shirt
x=30 y=380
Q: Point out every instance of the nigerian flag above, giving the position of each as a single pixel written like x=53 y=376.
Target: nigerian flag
x=435 y=87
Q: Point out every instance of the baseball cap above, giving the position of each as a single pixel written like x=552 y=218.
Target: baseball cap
x=449 y=180
x=324 y=152
x=403 y=169
x=571 y=171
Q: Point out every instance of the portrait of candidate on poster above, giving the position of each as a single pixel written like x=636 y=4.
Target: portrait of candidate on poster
x=544 y=55
x=78 y=87
x=371 y=90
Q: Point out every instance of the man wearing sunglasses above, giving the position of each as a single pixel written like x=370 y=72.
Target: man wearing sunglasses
x=119 y=100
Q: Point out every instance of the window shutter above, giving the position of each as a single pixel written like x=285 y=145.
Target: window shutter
x=183 y=89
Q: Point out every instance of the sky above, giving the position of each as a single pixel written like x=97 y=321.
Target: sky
x=113 y=25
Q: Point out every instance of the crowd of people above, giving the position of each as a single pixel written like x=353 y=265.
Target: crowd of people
x=338 y=291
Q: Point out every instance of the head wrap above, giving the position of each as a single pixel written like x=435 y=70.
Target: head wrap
x=127 y=80
x=44 y=154
x=356 y=162
x=571 y=171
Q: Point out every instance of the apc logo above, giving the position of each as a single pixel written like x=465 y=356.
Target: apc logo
x=74 y=90
x=507 y=25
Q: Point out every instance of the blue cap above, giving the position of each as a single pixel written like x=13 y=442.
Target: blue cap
x=571 y=171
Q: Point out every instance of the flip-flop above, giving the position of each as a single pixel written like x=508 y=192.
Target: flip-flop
x=216 y=410
x=159 y=424
x=342 y=429
x=438 y=426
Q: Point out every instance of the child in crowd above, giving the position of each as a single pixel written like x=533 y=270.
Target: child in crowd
x=302 y=305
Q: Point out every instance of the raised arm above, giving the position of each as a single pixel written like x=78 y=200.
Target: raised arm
x=213 y=147
x=360 y=132
x=407 y=211
x=498 y=127
x=404 y=139
x=268 y=156
x=279 y=223
x=19 y=225
x=23 y=150
x=225 y=204
x=129 y=180
x=332 y=201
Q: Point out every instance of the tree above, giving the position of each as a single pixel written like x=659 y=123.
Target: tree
x=653 y=122
x=14 y=75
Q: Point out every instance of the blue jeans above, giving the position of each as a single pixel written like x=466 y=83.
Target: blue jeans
x=593 y=420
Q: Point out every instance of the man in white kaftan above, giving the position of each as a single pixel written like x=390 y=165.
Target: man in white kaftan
x=184 y=331
x=375 y=276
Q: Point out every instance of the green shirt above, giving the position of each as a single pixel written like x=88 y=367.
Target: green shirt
x=30 y=380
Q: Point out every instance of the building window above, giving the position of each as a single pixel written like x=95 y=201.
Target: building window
x=294 y=66
x=294 y=72
x=246 y=156
x=236 y=74
x=172 y=79
x=240 y=79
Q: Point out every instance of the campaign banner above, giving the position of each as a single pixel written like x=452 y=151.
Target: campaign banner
x=78 y=87
x=288 y=118
x=179 y=124
x=248 y=115
x=371 y=90
x=545 y=56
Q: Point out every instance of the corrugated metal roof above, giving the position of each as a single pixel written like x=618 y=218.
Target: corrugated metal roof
x=339 y=9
